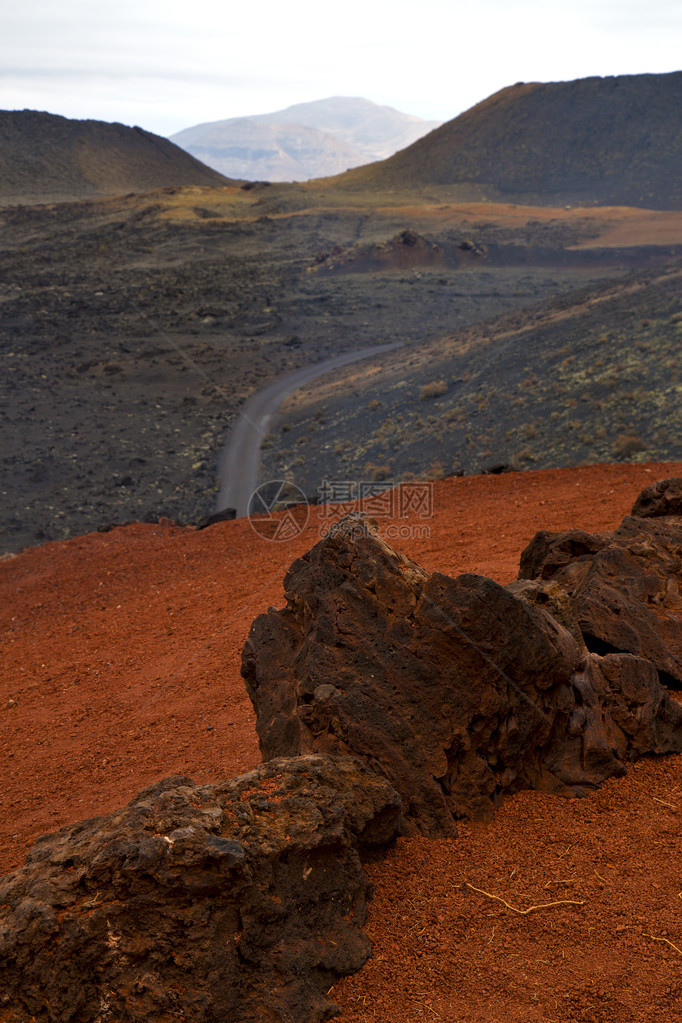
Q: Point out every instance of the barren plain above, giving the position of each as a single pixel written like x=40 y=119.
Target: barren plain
x=133 y=330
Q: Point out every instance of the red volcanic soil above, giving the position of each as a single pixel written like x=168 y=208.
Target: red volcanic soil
x=121 y=655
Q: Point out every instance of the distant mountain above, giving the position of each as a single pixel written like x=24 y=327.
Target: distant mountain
x=307 y=140
x=595 y=140
x=47 y=158
x=262 y=151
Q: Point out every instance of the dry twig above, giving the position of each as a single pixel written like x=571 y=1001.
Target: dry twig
x=663 y=802
x=654 y=938
x=531 y=909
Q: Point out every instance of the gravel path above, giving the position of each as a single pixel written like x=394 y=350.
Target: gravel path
x=239 y=464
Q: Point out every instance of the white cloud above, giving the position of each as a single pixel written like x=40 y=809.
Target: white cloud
x=170 y=64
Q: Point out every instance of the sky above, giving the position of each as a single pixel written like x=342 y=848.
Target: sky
x=169 y=64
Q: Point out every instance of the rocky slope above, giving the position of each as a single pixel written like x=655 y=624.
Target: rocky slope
x=47 y=158
x=591 y=376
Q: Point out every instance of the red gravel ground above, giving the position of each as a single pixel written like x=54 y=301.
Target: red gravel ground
x=120 y=665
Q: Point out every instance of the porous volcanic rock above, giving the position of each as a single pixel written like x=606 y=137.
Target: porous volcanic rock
x=457 y=690
x=662 y=498
x=548 y=552
x=622 y=589
x=239 y=901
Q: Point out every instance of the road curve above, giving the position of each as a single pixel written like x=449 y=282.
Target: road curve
x=239 y=463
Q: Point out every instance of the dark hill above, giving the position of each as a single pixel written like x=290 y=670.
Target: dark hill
x=611 y=141
x=44 y=157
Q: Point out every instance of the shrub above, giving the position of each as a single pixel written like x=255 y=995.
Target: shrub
x=378 y=473
x=436 y=470
x=628 y=444
x=435 y=389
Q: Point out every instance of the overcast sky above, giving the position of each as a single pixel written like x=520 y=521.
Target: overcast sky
x=169 y=64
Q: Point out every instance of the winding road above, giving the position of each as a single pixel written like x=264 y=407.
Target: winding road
x=239 y=463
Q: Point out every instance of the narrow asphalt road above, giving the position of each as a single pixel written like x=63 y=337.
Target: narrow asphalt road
x=239 y=463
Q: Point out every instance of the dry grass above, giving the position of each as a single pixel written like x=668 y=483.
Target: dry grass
x=434 y=389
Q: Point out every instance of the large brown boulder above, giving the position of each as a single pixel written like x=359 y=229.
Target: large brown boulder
x=662 y=498
x=547 y=552
x=241 y=901
x=456 y=690
x=624 y=589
